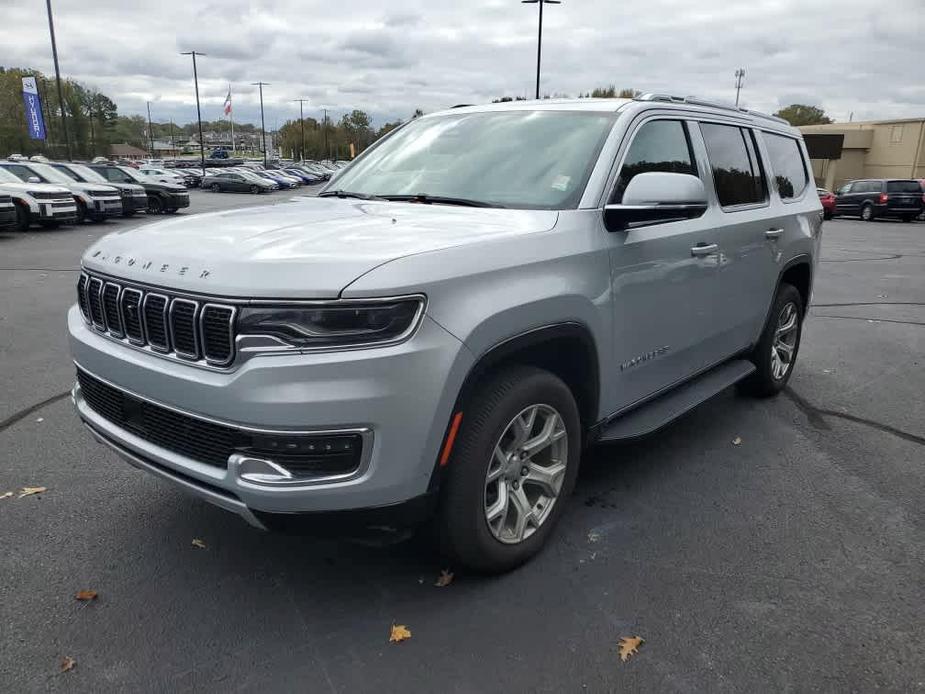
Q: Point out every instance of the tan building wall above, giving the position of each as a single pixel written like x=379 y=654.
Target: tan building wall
x=875 y=149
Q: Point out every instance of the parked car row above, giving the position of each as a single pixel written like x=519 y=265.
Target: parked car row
x=51 y=193
x=871 y=198
x=254 y=178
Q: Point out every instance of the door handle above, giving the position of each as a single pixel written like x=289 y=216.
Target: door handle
x=773 y=233
x=702 y=249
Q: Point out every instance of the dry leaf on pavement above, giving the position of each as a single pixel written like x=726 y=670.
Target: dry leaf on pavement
x=68 y=663
x=444 y=579
x=29 y=491
x=629 y=646
x=6 y=495
x=737 y=441
x=399 y=633
x=198 y=543
x=86 y=595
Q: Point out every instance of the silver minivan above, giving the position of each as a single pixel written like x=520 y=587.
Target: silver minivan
x=474 y=300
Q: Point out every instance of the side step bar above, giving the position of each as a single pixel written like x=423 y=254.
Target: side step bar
x=655 y=414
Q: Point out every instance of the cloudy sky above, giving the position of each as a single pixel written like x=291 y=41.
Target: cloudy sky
x=389 y=58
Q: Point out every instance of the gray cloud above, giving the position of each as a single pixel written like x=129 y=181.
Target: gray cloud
x=843 y=55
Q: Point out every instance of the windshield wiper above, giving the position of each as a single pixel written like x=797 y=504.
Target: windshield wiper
x=439 y=200
x=348 y=194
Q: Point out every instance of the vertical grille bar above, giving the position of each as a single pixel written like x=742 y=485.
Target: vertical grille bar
x=95 y=303
x=216 y=325
x=155 y=321
x=184 y=333
x=130 y=307
x=82 y=296
x=111 y=311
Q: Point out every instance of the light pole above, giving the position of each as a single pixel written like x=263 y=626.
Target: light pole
x=740 y=79
x=202 y=147
x=150 y=131
x=263 y=127
x=325 y=126
x=301 y=128
x=539 y=40
x=54 y=54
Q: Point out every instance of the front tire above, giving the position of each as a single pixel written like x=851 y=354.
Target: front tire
x=155 y=205
x=22 y=218
x=255 y=189
x=513 y=467
x=776 y=352
x=215 y=188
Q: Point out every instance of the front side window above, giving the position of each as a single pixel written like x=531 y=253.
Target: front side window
x=660 y=145
x=786 y=163
x=520 y=159
x=736 y=171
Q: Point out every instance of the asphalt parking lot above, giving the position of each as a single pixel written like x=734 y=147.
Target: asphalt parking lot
x=793 y=561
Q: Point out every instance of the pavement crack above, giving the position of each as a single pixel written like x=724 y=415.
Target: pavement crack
x=817 y=415
x=871 y=320
x=22 y=414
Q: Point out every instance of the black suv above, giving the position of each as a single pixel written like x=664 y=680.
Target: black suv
x=900 y=198
x=162 y=197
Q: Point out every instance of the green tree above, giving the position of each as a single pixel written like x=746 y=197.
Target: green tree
x=800 y=114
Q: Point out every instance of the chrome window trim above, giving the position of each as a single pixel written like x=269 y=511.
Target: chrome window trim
x=115 y=333
x=194 y=355
x=164 y=349
x=141 y=315
x=231 y=337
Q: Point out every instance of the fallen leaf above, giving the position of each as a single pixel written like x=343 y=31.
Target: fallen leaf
x=86 y=595
x=68 y=663
x=6 y=495
x=29 y=491
x=399 y=633
x=629 y=646
x=737 y=441
x=198 y=543
x=593 y=536
x=444 y=579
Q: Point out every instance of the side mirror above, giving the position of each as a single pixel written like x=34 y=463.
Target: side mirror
x=33 y=179
x=655 y=197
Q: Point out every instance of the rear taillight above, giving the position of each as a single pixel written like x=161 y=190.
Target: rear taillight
x=883 y=198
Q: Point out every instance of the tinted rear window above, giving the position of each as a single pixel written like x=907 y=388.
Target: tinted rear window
x=736 y=172
x=786 y=165
x=903 y=187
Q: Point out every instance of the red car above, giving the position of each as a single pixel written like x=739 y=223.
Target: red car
x=828 y=203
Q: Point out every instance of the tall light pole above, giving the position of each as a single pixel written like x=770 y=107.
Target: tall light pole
x=327 y=153
x=150 y=131
x=263 y=127
x=539 y=40
x=202 y=147
x=301 y=128
x=740 y=79
x=54 y=55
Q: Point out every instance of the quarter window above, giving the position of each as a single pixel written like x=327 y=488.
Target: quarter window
x=660 y=145
x=734 y=160
x=787 y=166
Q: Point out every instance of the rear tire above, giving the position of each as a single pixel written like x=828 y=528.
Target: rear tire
x=867 y=213
x=215 y=188
x=776 y=352
x=472 y=488
x=22 y=218
x=81 y=212
x=155 y=205
x=255 y=189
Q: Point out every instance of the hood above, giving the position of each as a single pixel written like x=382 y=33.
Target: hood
x=307 y=248
x=159 y=185
x=92 y=188
x=37 y=187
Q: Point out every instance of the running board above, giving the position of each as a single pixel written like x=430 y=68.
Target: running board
x=653 y=415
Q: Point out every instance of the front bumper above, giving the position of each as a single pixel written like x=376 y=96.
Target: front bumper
x=106 y=207
x=7 y=216
x=176 y=201
x=55 y=211
x=135 y=203
x=402 y=395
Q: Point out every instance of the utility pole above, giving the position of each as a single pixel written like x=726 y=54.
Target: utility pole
x=301 y=128
x=539 y=40
x=263 y=127
x=54 y=54
x=202 y=147
x=740 y=79
x=150 y=131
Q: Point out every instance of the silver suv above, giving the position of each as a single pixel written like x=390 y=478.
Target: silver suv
x=470 y=303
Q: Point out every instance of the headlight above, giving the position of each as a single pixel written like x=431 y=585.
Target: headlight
x=338 y=324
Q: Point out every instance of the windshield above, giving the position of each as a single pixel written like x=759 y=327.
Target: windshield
x=7 y=177
x=51 y=174
x=134 y=175
x=526 y=159
x=87 y=174
x=903 y=187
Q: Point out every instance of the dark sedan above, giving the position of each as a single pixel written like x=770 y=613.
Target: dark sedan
x=235 y=183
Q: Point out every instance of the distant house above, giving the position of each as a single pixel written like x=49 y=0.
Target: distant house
x=125 y=151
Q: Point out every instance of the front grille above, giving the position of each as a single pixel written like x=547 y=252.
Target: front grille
x=41 y=195
x=172 y=325
x=304 y=455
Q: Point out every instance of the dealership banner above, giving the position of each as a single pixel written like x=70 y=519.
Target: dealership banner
x=34 y=120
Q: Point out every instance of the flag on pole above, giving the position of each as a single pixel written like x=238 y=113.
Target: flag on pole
x=228 y=102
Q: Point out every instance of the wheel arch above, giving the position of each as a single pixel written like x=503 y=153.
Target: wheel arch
x=797 y=271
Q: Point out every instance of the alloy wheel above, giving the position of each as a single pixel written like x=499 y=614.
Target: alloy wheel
x=526 y=473
x=784 y=345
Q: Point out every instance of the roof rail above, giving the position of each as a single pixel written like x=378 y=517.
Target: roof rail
x=695 y=101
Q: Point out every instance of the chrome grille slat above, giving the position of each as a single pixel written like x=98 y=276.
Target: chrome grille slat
x=171 y=325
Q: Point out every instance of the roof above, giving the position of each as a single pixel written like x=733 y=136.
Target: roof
x=125 y=150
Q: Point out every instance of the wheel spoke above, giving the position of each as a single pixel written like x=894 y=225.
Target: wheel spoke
x=788 y=325
x=547 y=478
x=523 y=511
x=552 y=431
x=499 y=508
x=498 y=461
x=784 y=351
x=524 y=427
